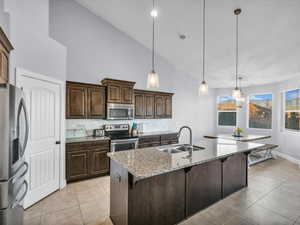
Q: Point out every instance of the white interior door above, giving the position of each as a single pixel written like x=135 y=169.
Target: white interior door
x=42 y=152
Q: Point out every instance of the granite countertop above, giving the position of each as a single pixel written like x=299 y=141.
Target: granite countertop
x=85 y=139
x=147 y=162
x=144 y=134
x=244 y=138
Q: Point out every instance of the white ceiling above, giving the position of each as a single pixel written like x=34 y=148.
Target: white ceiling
x=269 y=35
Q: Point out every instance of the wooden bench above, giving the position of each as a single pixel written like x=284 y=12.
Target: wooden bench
x=257 y=156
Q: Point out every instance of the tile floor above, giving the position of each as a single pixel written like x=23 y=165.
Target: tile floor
x=272 y=198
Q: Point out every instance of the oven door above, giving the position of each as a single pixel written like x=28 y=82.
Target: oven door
x=123 y=145
x=119 y=112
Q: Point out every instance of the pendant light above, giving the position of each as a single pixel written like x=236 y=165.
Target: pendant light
x=153 y=79
x=236 y=93
x=203 y=88
x=242 y=98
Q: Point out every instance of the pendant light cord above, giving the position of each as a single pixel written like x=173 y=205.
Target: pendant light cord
x=203 y=44
x=237 y=49
x=153 y=39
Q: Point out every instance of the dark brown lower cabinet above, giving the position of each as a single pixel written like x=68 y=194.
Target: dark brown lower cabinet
x=157 y=140
x=235 y=173
x=204 y=186
x=87 y=159
x=159 y=200
x=99 y=162
x=77 y=165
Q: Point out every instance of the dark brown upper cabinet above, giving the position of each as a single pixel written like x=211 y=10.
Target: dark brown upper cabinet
x=119 y=91
x=96 y=102
x=5 y=48
x=139 y=103
x=150 y=104
x=85 y=101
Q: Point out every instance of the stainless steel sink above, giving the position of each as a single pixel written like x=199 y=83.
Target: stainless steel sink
x=180 y=148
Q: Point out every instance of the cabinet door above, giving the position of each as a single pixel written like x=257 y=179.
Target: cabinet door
x=99 y=162
x=139 y=109
x=114 y=94
x=160 y=109
x=149 y=106
x=77 y=165
x=169 y=139
x=96 y=103
x=3 y=66
x=127 y=95
x=168 y=102
x=234 y=173
x=76 y=102
x=202 y=194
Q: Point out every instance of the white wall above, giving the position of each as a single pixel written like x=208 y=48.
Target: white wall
x=96 y=50
x=288 y=141
x=26 y=23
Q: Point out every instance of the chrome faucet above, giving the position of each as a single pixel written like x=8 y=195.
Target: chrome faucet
x=191 y=135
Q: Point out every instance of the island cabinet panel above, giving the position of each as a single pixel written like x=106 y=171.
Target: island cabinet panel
x=85 y=101
x=159 y=200
x=204 y=186
x=86 y=159
x=118 y=194
x=235 y=173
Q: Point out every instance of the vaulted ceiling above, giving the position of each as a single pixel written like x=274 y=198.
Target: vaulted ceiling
x=269 y=35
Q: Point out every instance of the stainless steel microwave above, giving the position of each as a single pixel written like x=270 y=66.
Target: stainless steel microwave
x=120 y=112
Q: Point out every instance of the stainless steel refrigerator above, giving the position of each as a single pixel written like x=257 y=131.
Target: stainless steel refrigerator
x=14 y=130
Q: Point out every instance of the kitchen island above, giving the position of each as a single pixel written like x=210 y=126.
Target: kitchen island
x=157 y=186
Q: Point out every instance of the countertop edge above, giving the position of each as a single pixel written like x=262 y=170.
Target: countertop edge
x=137 y=177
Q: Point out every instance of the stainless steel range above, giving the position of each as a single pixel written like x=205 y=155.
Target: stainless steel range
x=120 y=136
x=13 y=141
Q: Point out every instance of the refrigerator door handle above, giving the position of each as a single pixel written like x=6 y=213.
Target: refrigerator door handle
x=15 y=177
x=18 y=201
x=23 y=105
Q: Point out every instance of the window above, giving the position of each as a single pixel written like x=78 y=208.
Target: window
x=292 y=110
x=226 y=111
x=260 y=111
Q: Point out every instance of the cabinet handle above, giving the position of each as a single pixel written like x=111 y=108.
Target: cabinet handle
x=57 y=142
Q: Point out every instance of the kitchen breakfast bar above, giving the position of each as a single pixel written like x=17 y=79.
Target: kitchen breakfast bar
x=166 y=185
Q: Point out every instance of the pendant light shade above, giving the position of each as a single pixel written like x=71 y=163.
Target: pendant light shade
x=153 y=78
x=242 y=97
x=203 y=88
x=236 y=92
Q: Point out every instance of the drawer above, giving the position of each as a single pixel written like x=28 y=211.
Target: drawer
x=149 y=139
x=149 y=145
x=169 y=142
x=82 y=146
x=168 y=137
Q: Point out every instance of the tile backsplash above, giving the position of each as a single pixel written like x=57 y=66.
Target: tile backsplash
x=82 y=128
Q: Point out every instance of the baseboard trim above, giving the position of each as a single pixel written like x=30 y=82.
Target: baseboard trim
x=287 y=157
x=63 y=184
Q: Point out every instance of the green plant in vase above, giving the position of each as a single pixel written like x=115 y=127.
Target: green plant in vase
x=238 y=132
